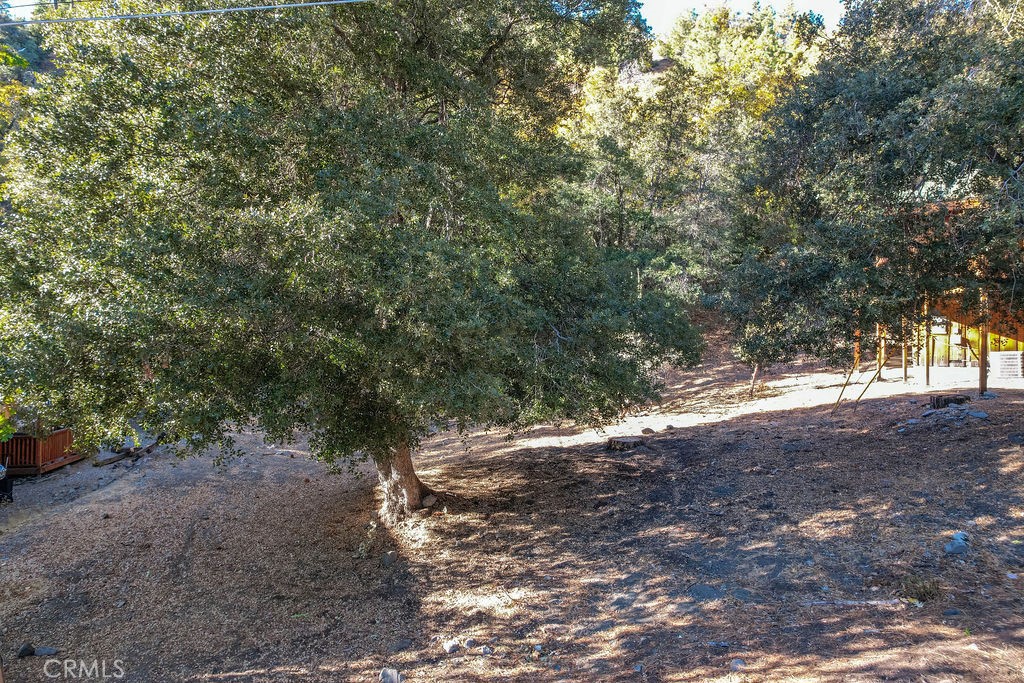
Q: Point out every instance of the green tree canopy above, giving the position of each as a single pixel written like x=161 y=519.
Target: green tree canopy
x=344 y=221
x=892 y=176
x=669 y=146
x=20 y=59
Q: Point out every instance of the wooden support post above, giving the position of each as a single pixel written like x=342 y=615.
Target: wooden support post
x=983 y=347
x=880 y=351
x=983 y=361
x=917 y=344
x=906 y=371
x=934 y=342
x=927 y=345
x=903 y=341
x=856 y=349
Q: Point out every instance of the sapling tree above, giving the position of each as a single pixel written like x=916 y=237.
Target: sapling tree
x=344 y=222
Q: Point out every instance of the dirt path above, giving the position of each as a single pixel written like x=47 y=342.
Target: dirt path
x=781 y=542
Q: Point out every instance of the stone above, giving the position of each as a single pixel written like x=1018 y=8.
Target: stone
x=538 y=648
x=737 y=665
x=647 y=430
x=624 y=443
x=429 y=501
x=913 y=421
x=45 y=651
x=952 y=612
x=451 y=646
x=702 y=592
x=639 y=668
x=929 y=412
x=389 y=558
x=1017 y=439
x=390 y=676
x=989 y=395
x=956 y=548
x=26 y=650
x=470 y=643
x=487 y=650
x=980 y=414
x=670 y=427
x=1012 y=576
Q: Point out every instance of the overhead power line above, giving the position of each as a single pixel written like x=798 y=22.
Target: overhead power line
x=190 y=13
x=52 y=3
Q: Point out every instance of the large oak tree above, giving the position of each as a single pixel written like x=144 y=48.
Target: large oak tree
x=345 y=222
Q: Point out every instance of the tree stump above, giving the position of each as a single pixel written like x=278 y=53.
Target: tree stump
x=940 y=402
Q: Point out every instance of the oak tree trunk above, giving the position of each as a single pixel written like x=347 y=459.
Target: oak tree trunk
x=402 y=490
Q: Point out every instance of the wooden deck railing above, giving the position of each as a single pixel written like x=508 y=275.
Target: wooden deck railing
x=29 y=455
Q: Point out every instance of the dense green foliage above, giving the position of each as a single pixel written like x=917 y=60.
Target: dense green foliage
x=817 y=186
x=349 y=222
x=20 y=59
x=893 y=176
x=669 y=148
x=665 y=145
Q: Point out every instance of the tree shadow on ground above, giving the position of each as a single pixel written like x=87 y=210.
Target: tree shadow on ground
x=779 y=538
x=263 y=570
x=785 y=539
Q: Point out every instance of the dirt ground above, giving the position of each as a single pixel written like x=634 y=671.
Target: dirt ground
x=748 y=540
